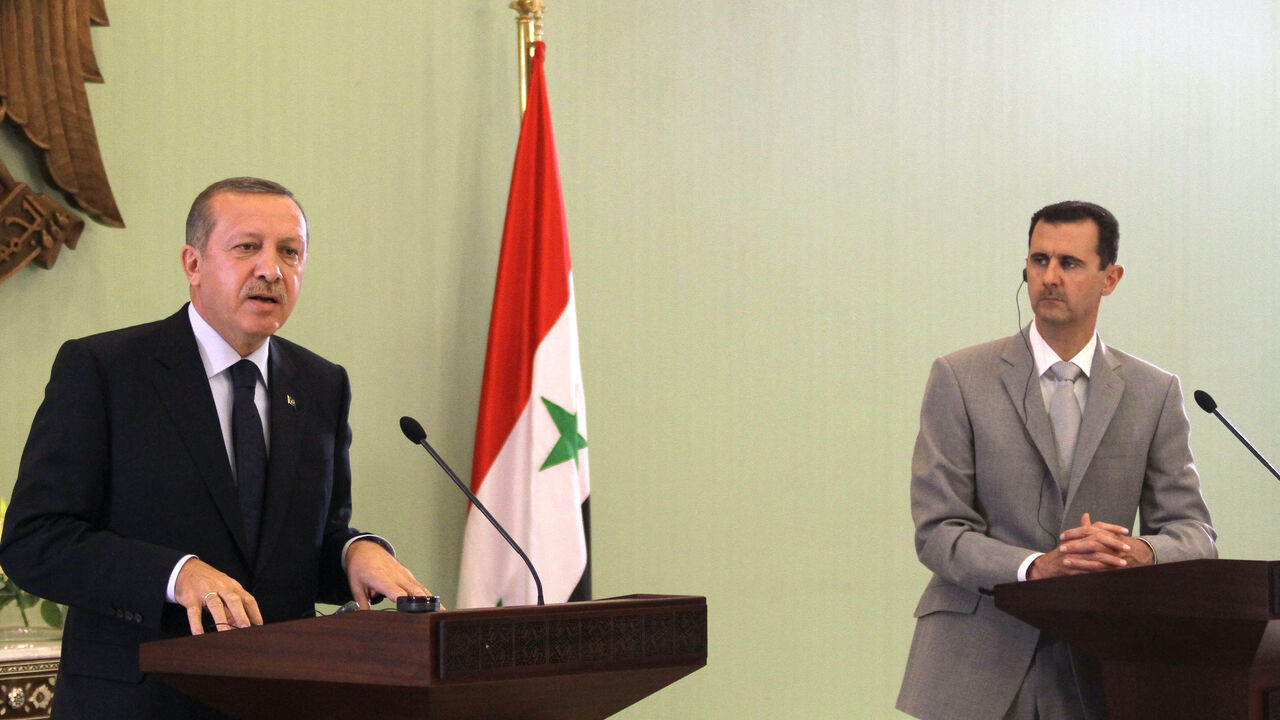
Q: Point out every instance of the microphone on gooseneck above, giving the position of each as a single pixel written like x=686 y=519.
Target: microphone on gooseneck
x=1207 y=404
x=412 y=429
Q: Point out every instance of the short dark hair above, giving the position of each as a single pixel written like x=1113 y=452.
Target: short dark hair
x=200 y=221
x=1077 y=210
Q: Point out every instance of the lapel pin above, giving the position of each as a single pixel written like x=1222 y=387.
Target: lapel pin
x=289 y=399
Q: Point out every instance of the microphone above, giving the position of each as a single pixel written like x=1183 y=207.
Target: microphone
x=412 y=429
x=1207 y=404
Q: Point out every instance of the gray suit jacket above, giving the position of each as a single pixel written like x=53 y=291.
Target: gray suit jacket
x=984 y=497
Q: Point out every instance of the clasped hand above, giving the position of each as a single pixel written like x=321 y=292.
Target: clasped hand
x=1092 y=547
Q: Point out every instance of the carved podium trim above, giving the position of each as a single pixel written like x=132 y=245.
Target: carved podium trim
x=473 y=647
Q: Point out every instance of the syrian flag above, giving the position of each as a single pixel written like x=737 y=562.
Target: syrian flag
x=530 y=465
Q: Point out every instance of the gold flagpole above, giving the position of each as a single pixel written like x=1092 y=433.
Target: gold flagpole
x=529 y=31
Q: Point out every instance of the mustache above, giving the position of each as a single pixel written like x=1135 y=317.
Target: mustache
x=263 y=289
x=1050 y=295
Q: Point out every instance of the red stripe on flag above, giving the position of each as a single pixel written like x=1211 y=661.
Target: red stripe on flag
x=532 y=288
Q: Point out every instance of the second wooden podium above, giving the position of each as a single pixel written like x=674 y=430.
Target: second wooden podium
x=577 y=661
x=1196 y=640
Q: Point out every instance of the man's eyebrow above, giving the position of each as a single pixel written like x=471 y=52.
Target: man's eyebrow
x=1062 y=257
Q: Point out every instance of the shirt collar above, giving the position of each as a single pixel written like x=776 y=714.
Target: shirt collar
x=1045 y=356
x=217 y=354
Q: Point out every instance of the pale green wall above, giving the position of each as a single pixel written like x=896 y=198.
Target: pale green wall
x=779 y=213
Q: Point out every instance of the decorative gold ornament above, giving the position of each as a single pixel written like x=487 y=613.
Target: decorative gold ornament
x=530 y=10
x=528 y=32
x=46 y=56
x=33 y=226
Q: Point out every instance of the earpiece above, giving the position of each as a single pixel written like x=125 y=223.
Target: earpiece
x=1024 y=274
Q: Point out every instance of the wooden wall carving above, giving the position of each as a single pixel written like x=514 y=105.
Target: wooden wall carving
x=46 y=56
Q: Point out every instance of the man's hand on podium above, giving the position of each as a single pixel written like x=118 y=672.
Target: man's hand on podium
x=1092 y=547
x=200 y=586
x=373 y=573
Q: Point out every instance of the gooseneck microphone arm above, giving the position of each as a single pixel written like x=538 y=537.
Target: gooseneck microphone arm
x=1207 y=404
x=412 y=429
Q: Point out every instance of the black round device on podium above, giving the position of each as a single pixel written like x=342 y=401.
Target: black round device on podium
x=418 y=603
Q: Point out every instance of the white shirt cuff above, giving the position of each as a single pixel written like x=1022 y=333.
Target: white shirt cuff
x=1026 y=565
x=372 y=538
x=173 y=578
x=1154 y=560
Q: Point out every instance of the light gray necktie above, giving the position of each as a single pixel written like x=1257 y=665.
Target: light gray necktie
x=1064 y=413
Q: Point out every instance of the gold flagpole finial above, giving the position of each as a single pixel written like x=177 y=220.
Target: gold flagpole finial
x=529 y=31
x=530 y=10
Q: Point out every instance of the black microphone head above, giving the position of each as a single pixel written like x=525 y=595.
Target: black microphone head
x=412 y=430
x=1205 y=402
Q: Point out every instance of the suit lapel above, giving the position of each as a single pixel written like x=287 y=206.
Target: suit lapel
x=1023 y=386
x=281 y=464
x=183 y=388
x=1105 y=389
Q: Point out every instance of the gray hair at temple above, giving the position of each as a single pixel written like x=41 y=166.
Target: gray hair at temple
x=200 y=221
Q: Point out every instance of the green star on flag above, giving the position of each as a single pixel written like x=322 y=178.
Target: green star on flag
x=570 y=442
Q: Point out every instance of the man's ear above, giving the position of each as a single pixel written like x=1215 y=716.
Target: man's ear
x=1114 y=273
x=191 y=264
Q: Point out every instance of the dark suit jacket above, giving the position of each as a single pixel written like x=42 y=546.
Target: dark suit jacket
x=125 y=471
x=984 y=497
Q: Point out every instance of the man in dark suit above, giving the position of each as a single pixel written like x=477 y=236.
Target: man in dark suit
x=150 y=502
x=1009 y=484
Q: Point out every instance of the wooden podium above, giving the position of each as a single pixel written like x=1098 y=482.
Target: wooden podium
x=575 y=661
x=1197 y=639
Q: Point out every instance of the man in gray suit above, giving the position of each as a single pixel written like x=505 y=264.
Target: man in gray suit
x=1035 y=453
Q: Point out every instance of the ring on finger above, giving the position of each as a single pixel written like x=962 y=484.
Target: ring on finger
x=205 y=599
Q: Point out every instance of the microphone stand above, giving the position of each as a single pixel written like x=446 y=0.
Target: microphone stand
x=1207 y=404
x=413 y=430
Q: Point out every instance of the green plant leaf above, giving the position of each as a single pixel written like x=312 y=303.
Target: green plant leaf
x=51 y=613
x=26 y=599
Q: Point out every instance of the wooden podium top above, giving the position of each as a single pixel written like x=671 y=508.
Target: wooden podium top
x=569 y=661
x=1198 y=612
